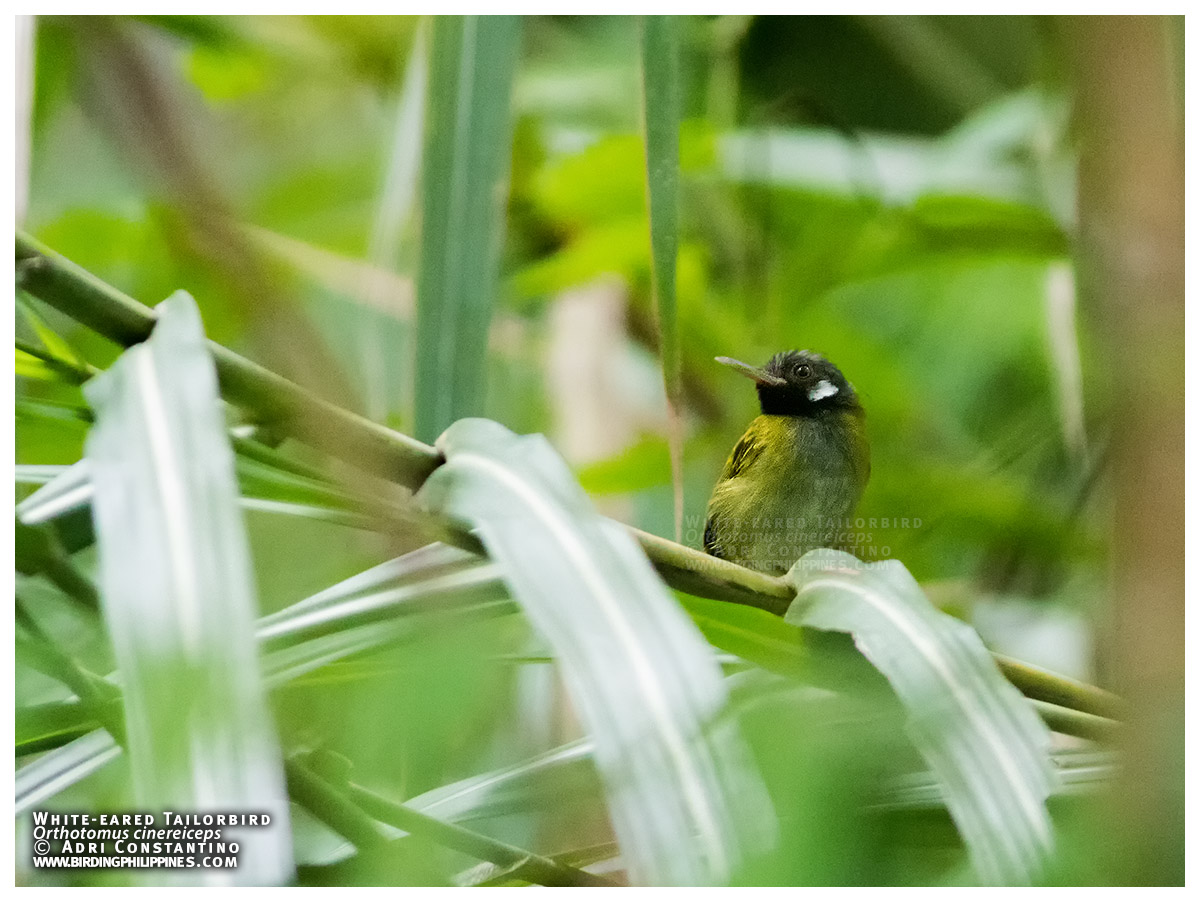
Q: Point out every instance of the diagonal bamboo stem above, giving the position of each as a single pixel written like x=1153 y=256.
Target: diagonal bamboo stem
x=520 y=863
x=107 y=311
x=381 y=451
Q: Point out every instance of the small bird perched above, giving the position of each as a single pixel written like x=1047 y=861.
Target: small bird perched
x=799 y=470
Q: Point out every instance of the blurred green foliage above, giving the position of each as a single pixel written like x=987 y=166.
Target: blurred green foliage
x=896 y=193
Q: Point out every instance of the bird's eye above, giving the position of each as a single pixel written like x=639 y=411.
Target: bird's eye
x=803 y=370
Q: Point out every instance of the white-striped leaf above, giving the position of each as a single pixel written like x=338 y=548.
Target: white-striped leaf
x=686 y=805
x=178 y=594
x=985 y=744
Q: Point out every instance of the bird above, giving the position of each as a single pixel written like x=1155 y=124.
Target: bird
x=797 y=474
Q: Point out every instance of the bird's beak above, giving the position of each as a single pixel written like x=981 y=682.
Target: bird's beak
x=760 y=376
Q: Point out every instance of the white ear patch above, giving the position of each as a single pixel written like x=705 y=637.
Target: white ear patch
x=822 y=390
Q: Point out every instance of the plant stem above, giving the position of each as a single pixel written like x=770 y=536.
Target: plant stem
x=46 y=726
x=74 y=373
x=354 y=813
x=1039 y=684
x=1076 y=723
x=40 y=552
x=528 y=866
x=100 y=698
x=326 y=803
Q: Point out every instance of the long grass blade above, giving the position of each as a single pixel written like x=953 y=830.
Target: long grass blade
x=983 y=741
x=1080 y=772
x=55 y=347
x=29 y=365
x=464 y=187
x=685 y=803
x=267 y=482
x=396 y=207
x=59 y=769
x=45 y=726
x=178 y=594
x=64 y=490
x=436 y=578
x=660 y=117
x=507 y=791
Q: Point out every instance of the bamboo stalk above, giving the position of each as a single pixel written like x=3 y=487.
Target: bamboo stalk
x=381 y=451
x=1076 y=723
x=107 y=311
x=1058 y=690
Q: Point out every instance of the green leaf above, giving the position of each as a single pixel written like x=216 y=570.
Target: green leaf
x=177 y=589
x=566 y=190
x=752 y=634
x=660 y=109
x=464 y=186
x=59 y=413
x=983 y=741
x=55 y=345
x=436 y=579
x=639 y=466
x=618 y=247
x=564 y=772
x=397 y=208
x=769 y=642
x=39 y=549
x=53 y=362
x=48 y=725
x=268 y=482
x=30 y=366
x=686 y=805
x=65 y=489
x=984 y=224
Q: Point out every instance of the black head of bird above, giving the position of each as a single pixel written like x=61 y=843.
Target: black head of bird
x=797 y=473
x=798 y=383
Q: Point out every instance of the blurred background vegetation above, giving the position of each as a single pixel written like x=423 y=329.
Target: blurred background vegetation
x=898 y=193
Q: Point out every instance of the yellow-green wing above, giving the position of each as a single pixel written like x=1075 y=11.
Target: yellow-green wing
x=745 y=452
x=860 y=449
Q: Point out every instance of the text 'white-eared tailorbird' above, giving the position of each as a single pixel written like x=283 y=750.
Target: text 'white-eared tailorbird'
x=795 y=477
